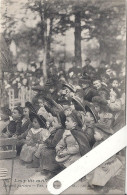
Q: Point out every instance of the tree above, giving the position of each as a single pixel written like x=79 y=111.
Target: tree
x=5 y=63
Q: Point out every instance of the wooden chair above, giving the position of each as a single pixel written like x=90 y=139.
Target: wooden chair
x=7 y=151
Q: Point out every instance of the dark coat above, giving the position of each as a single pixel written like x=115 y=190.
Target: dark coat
x=24 y=129
x=120 y=122
x=22 y=135
x=89 y=132
x=82 y=140
x=10 y=129
x=48 y=154
x=87 y=70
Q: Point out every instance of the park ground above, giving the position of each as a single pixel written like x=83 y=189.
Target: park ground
x=28 y=181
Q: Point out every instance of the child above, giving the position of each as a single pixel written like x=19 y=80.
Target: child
x=115 y=83
x=73 y=143
x=101 y=89
x=105 y=117
x=34 y=140
x=89 y=120
x=14 y=127
x=5 y=118
x=42 y=111
x=114 y=102
x=48 y=164
x=102 y=174
x=26 y=125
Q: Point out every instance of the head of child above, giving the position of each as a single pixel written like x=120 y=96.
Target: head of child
x=73 y=121
x=113 y=96
x=97 y=84
x=52 y=89
x=98 y=135
x=100 y=104
x=68 y=92
x=115 y=83
x=5 y=113
x=17 y=113
x=85 y=83
x=59 y=120
x=97 y=106
x=87 y=62
x=41 y=102
x=37 y=121
x=26 y=112
x=105 y=78
x=68 y=108
x=89 y=118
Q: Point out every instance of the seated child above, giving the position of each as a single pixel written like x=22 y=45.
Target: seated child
x=101 y=106
x=115 y=83
x=26 y=125
x=102 y=174
x=34 y=140
x=42 y=111
x=48 y=164
x=14 y=127
x=114 y=102
x=68 y=149
x=5 y=113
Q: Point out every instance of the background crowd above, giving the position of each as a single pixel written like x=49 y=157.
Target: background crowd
x=68 y=116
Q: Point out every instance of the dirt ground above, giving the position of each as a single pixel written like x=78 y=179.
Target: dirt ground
x=28 y=181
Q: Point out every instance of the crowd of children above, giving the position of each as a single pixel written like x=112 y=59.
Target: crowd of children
x=68 y=117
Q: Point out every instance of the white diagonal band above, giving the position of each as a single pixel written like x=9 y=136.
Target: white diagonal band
x=90 y=161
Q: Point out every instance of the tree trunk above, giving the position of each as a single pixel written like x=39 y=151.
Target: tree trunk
x=45 y=51
x=77 y=33
x=104 y=52
x=49 y=40
x=44 y=39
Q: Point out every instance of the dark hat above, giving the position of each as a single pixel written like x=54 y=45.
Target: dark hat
x=76 y=118
x=20 y=109
x=50 y=109
x=38 y=88
x=99 y=100
x=104 y=128
x=90 y=108
x=52 y=103
x=85 y=81
x=105 y=75
x=62 y=118
x=115 y=78
x=69 y=86
x=78 y=104
x=30 y=107
x=41 y=120
x=6 y=111
x=87 y=59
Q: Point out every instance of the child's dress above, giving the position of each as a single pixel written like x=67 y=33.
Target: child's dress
x=34 y=143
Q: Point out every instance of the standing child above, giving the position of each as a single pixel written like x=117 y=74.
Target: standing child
x=34 y=140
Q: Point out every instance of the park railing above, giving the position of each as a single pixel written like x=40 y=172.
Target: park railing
x=24 y=94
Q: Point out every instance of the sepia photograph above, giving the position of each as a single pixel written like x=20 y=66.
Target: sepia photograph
x=62 y=92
